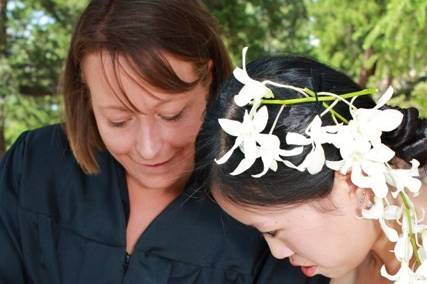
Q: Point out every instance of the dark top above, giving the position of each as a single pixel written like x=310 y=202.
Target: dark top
x=58 y=225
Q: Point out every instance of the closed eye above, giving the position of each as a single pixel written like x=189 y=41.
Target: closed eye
x=118 y=124
x=174 y=117
x=270 y=234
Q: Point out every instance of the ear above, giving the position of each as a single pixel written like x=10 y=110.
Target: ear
x=210 y=70
x=360 y=198
x=210 y=65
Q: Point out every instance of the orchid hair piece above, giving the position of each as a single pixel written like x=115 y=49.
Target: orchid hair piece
x=363 y=154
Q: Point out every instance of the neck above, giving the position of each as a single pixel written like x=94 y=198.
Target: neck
x=137 y=189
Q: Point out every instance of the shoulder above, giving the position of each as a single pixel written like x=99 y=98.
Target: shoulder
x=36 y=153
x=31 y=150
x=206 y=236
x=42 y=173
x=38 y=146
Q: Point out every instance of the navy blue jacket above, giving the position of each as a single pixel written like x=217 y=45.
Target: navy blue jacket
x=58 y=225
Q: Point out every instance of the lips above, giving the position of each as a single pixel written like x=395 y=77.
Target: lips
x=309 y=271
x=151 y=165
x=156 y=165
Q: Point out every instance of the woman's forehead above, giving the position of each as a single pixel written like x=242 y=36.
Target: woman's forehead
x=118 y=82
x=122 y=65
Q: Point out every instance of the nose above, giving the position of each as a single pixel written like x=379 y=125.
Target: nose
x=149 y=141
x=279 y=249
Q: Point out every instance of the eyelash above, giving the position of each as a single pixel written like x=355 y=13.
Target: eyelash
x=173 y=118
x=270 y=234
x=118 y=124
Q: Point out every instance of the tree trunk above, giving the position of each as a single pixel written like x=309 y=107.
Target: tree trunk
x=365 y=73
x=3 y=38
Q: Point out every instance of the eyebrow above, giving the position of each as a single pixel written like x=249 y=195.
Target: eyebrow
x=116 y=107
x=123 y=108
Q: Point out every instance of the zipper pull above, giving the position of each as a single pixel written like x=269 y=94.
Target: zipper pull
x=126 y=262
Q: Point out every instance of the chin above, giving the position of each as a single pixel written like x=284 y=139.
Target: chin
x=161 y=182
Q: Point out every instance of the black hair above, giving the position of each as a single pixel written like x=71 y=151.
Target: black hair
x=286 y=185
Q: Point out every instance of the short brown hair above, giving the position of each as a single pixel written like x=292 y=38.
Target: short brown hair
x=139 y=30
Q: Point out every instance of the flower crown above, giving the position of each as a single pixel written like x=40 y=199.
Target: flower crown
x=359 y=143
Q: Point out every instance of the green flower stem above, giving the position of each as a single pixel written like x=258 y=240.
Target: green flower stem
x=313 y=99
x=407 y=208
x=336 y=114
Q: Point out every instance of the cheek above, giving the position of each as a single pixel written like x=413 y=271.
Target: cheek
x=184 y=132
x=341 y=243
x=109 y=137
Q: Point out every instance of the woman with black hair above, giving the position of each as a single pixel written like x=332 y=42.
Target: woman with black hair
x=306 y=157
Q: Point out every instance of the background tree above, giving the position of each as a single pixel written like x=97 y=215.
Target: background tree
x=267 y=26
x=378 y=43
x=381 y=42
x=34 y=36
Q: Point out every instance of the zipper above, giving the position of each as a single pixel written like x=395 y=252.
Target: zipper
x=126 y=262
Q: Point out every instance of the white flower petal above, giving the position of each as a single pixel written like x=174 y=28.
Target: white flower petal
x=388 y=119
x=289 y=153
x=317 y=160
x=413 y=184
x=242 y=76
x=376 y=183
x=244 y=96
x=385 y=97
x=274 y=166
x=245 y=164
x=315 y=125
x=389 y=232
x=292 y=166
x=392 y=212
x=335 y=165
x=249 y=147
x=231 y=127
x=267 y=162
x=380 y=153
x=414 y=167
x=403 y=249
x=227 y=155
x=293 y=138
x=260 y=119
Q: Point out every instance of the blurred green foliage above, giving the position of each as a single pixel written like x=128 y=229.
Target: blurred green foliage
x=378 y=43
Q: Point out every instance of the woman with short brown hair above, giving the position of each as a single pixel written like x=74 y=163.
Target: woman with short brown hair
x=110 y=197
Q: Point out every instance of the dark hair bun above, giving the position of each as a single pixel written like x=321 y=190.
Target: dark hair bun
x=409 y=140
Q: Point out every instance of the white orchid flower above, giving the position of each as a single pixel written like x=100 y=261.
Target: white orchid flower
x=367 y=163
x=403 y=249
x=378 y=212
x=370 y=123
x=253 y=143
x=316 y=136
x=245 y=133
x=270 y=152
x=253 y=90
x=404 y=178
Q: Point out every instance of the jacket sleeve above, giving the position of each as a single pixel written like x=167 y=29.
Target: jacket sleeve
x=11 y=266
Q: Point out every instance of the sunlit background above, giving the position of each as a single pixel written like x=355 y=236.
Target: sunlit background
x=378 y=43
